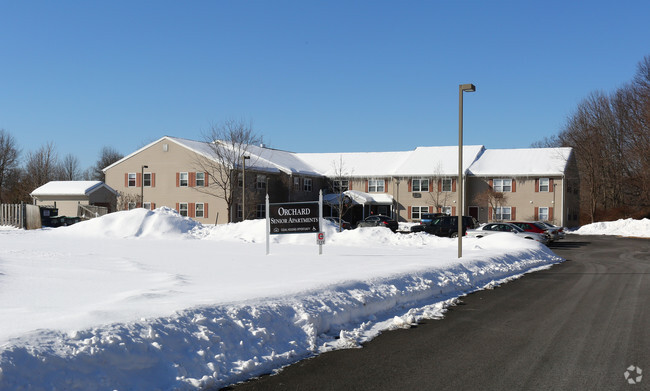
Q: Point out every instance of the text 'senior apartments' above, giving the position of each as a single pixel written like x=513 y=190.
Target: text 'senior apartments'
x=531 y=183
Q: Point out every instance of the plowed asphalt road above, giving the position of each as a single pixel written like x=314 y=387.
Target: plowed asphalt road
x=576 y=326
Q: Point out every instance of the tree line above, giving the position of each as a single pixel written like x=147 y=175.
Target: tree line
x=610 y=136
x=20 y=175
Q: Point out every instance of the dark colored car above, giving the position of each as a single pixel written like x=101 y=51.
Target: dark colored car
x=378 y=221
x=335 y=220
x=447 y=226
x=428 y=217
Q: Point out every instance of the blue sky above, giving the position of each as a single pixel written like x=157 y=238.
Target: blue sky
x=311 y=76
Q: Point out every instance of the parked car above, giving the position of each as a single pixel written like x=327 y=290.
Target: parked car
x=537 y=227
x=495 y=228
x=559 y=231
x=378 y=221
x=446 y=226
x=428 y=217
x=335 y=220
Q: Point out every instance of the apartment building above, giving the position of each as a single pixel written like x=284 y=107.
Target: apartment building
x=539 y=183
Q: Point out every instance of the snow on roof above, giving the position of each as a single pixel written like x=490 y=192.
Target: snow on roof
x=422 y=161
x=521 y=162
x=64 y=188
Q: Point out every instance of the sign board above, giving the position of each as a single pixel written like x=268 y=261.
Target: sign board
x=320 y=238
x=294 y=218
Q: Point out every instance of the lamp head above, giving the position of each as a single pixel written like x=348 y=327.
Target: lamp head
x=468 y=87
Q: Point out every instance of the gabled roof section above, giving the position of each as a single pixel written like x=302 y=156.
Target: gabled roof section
x=438 y=161
x=525 y=162
x=70 y=188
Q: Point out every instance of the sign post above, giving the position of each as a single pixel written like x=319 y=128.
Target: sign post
x=293 y=218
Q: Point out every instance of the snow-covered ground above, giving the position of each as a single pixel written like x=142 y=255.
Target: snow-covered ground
x=148 y=300
x=626 y=227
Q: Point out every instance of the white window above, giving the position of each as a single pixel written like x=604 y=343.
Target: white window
x=239 y=212
x=544 y=184
x=132 y=205
x=376 y=185
x=261 y=182
x=200 y=179
x=447 y=184
x=146 y=179
x=420 y=185
x=503 y=213
x=183 y=179
x=416 y=212
x=502 y=185
x=341 y=185
x=307 y=184
x=543 y=213
x=147 y=205
x=182 y=209
x=132 y=179
x=198 y=209
x=260 y=211
x=296 y=183
x=446 y=210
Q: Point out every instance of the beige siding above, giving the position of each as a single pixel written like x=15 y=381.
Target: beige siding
x=163 y=165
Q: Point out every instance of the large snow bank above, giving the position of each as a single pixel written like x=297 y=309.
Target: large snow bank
x=144 y=300
x=625 y=227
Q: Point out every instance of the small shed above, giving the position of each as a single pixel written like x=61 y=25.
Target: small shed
x=72 y=198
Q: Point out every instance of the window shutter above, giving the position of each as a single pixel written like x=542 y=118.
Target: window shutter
x=126 y=179
x=205 y=209
x=410 y=213
x=138 y=205
x=491 y=184
x=439 y=185
x=385 y=186
x=536 y=215
x=153 y=205
x=431 y=185
x=178 y=182
x=205 y=176
x=138 y=179
x=453 y=185
x=153 y=179
x=350 y=184
x=550 y=185
x=191 y=209
x=490 y=217
x=366 y=185
x=537 y=185
x=550 y=213
x=453 y=211
x=439 y=209
x=514 y=185
x=410 y=189
x=514 y=212
x=178 y=208
x=431 y=209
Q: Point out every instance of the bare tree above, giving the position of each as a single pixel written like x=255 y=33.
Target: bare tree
x=339 y=184
x=9 y=153
x=494 y=199
x=107 y=156
x=228 y=142
x=70 y=170
x=42 y=166
x=440 y=198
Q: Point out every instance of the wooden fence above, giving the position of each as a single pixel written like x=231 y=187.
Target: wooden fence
x=20 y=216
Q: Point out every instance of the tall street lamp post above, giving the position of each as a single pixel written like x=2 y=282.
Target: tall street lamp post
x=243 y=186
x=461 y=88
x=142 y=186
